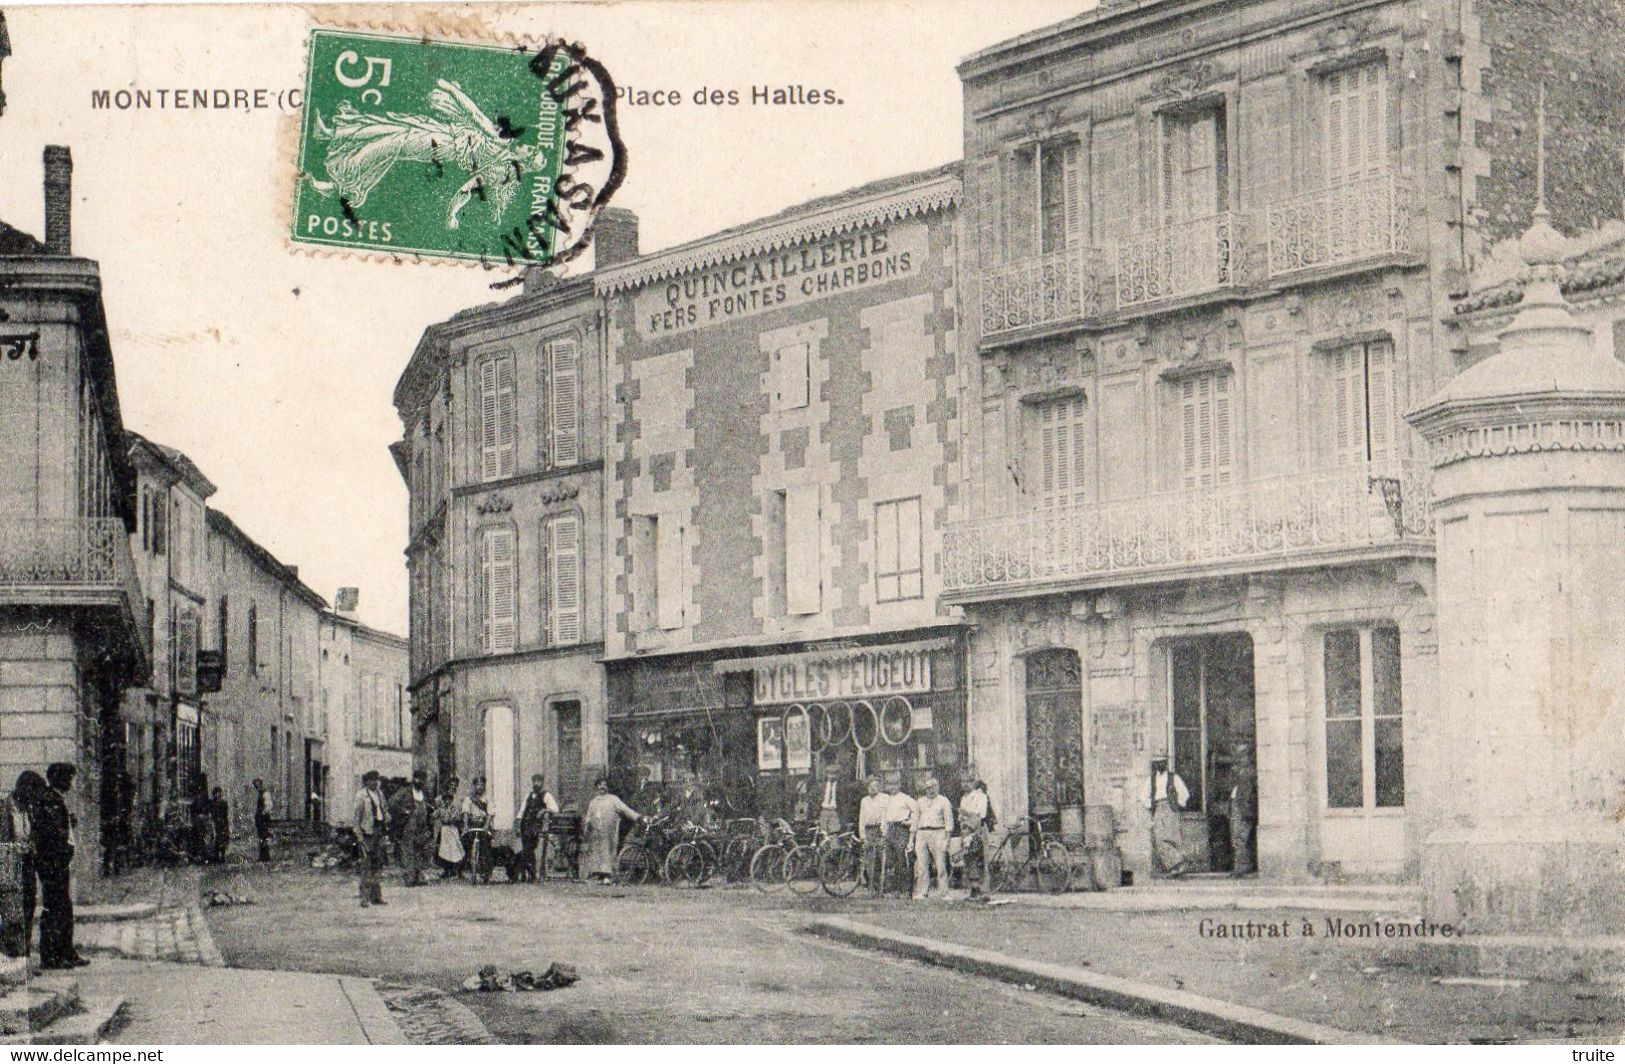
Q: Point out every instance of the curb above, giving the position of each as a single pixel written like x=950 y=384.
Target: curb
x=103 y=914
x=1236 y=1023
x=377 y=1025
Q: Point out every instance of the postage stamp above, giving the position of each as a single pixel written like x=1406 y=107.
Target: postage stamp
x=453 y=150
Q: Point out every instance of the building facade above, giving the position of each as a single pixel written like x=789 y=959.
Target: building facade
x=503 y=455
x=365 y=712
x=1213 y=245
x=785 y=437
x=72 y=636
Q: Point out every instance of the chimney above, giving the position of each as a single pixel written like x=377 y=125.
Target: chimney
x=614 y=237
x=347 y=601
x=58 y=200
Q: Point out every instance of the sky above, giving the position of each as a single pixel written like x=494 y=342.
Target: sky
x=273 y=366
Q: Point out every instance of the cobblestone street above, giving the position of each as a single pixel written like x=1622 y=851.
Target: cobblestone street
x=656 y=965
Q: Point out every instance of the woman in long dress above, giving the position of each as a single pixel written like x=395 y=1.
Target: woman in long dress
x=602 y=830
x=448 y=840
x=476 y=825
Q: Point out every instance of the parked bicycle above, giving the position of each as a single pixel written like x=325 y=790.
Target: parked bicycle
x=693 y=859
x=801 y=861
x=841 y=865
x=642 y=856
x=767 y=864
x=1029 y=858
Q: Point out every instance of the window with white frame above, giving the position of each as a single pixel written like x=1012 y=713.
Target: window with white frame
x=1063 y=452
x=497 y=591
x=563 y=361
x=561 y=578
x=1354 y=103
x=1365 y=729
x=791 y=385
x=898 y=566
x=1206 y=430
x=1363 y=423
x=497 y=406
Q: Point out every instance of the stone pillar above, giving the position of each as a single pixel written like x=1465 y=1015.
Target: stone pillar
x=1528 y=450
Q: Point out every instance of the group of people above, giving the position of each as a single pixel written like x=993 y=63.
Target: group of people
x=1170 y=795
x=894 y=826
x=39 y=835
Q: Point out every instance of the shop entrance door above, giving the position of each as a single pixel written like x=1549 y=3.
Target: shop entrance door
x=1211 y=690
x=1055 y=738
x=567 y=744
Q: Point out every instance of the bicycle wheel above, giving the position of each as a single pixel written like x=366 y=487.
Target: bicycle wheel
x=1010 y=863
x=632 y=864
x=865 y=724
x=1053 y=869
x=767 y=868
x=684 y=866
x=837 y=723
x=896 y=720
x=801 y=869
x=840 y=868
x=736 y=858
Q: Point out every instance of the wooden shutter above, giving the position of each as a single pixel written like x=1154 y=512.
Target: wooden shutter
x=564 y=579
x=1266 y=162
x=564 y=401
x=1348 y=406
x=497 y=580
x=1112 y=180
x=1380 y=401
x=1207 y=431
x=496 y=418
x=186 y=653
x=1356 y=116
x=987 y=211
x=1077 y=213
x=669 y=575
x=1022 y=238
x=1063 y=452
x=803 y=538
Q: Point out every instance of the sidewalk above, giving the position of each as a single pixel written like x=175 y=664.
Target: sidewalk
x=1333 y=982
x=184 y=1004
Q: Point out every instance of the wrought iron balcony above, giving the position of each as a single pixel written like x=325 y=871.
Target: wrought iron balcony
x=1060 y=287
x=1180 y=259
x=72 y=561
x=1253 y=524
x=1339 y=225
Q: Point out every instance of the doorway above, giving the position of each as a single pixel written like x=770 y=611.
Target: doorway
x=567 y=748
x=1210 y=685
x=1055 y=739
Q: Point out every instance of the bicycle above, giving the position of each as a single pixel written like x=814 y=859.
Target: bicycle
x=1027 y=853
x=767 y=864
x=740 y=837
x=477 y=844
x=693 y=859
x=841 y=864
x=642 y=857
x=801 y=861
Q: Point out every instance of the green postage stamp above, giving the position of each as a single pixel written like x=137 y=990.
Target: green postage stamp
x=439 y=148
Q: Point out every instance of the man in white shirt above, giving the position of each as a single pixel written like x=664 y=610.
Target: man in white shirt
x=1168 y=795
x=539 y=805
x=976 y=826
x=872 y=831
x=899 y=819
x=933 y=823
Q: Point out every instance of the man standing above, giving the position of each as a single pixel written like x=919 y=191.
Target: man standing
x=933 y=823
x=976 y=827
x=1244 y=813
x=220 y=813
x=872 y=832
x=370 y=829
x=539 y=805
x=53 y=850
x=829 y=800
x=1168 y=796
x=411 y=823
x=601 y=831
x=262 y=818
x=900 y=812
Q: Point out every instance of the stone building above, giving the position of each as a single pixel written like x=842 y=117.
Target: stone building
x=784 y=407
x=503 y=456
x=1209 y=248
x=72 y=631
x=367 y=720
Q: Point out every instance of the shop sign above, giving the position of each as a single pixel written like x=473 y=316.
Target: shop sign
x=850 y=674
x=802 y=273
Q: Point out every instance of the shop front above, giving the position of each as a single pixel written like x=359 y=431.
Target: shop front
x=752 y=734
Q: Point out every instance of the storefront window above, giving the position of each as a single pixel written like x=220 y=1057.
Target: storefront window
x=1365 y=740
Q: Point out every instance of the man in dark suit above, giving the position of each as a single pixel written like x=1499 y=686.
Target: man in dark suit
x=412 y=828
x=539 y=805
x=838 y=799
x=53 y=850
x=372 y=829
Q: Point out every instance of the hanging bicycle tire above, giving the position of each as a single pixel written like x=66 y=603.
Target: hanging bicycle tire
x=896 y=720
x=817 y=727
x=838 y=721
x=865 y=725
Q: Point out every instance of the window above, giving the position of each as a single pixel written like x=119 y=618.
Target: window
x=496 y=417
x=1205 y=430
x=564 y=401
x=152 y=622
x=497 y=634
x=790 y=369
x=1113 y=172
x=1047 y=209
x=225 y=629
x=1063 y=452
x=803 y=540
x=897 y=550
x=499 y=764
x=160 y=524
x=1365 y=731
x=561 y=578
x=1355 y=101
x=1193 y=165
x=1363 y=403
x=253 y=639
x=146 y=519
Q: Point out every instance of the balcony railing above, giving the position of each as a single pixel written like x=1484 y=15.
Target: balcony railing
x=1059 y=287
x=1316 y=514
x=1339 y=224
x=1181 y=259
x=74 y=550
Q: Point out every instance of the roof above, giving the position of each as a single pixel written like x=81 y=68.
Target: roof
x=284 y=574
x=178 y=463
x=1595 y=261
x=366 y=629
x=14 y=242
x=899 y=196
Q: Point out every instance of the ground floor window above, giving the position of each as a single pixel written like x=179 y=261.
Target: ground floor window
x=499 y=764
x=1365 y=730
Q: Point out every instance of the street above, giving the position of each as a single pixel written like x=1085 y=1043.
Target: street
x=656 y=964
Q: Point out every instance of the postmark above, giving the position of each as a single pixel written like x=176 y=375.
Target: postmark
x=451 y=149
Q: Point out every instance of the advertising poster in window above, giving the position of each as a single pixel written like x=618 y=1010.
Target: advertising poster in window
x=770 y=744
x=797 y=742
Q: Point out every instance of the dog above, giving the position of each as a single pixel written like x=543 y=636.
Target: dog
x=507 y=859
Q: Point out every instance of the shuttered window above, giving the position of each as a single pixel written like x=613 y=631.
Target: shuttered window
x=1063 y=452
x=496 y=417
x=1356 y=122
x=803 y=539
x=789 y=376
x=1364 y=428
x=562 y=545
x=1049 y=210
x=186 y=653
x=497 y=590
x=1266 y=130
x=564 y=401
x=987 y=211
x=1113 y=180
x=669 y=570
x=1206 y=430
x=1192 y=165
